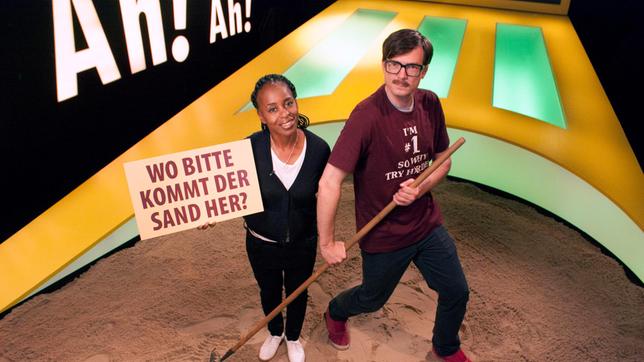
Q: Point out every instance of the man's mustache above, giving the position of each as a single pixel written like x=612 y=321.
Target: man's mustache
x=401 y=83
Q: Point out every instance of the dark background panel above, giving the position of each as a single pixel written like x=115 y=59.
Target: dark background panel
x=48 y=148
x=612 y=34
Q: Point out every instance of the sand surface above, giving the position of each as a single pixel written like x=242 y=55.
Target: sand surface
x=539 y=292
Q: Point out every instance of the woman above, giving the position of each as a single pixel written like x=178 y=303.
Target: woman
x=281 y=241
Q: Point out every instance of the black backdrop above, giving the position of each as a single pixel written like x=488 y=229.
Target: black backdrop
x=612 y=34
x=48 y=148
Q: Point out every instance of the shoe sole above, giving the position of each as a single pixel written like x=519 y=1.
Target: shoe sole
x=339 y=347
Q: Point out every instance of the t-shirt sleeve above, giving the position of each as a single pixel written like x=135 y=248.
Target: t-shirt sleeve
x=441 y=139
x=352 y=142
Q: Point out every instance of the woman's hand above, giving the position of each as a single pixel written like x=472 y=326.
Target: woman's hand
x=207 y=225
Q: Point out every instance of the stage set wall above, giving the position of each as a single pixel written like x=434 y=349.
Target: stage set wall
x=51 y=146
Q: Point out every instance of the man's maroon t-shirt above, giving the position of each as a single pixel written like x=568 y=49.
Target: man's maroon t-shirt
x=383 y=147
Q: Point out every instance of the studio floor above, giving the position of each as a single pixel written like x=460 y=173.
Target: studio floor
x=539 y=292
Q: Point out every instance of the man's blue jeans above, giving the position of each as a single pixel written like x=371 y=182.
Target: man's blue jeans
x=437 y=259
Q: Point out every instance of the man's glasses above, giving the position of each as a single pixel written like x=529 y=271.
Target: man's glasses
x=411 y=69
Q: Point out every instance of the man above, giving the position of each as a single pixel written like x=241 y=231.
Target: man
x=390 y=137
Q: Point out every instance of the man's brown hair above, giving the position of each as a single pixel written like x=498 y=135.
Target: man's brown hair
x=405 y=40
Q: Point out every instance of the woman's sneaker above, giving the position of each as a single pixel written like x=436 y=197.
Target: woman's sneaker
x=269 y=347
x=295 y=351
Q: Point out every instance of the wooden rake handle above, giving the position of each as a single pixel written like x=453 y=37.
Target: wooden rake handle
x=348 y=245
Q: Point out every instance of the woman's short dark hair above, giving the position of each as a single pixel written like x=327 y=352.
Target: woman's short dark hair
x=302 y=120
x=405 y=40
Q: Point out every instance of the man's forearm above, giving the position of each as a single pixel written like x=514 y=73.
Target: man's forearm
x=328 y=199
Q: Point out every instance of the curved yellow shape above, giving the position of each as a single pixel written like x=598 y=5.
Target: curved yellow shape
x=593 y=147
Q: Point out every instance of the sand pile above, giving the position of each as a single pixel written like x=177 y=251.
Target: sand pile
x=539 y=292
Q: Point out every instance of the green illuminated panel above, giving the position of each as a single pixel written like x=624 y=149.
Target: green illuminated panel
x=321 y=70
x=523 y=79
x=446 y=36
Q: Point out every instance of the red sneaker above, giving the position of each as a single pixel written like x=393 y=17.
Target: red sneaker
x=459 y=356
x=338 y=332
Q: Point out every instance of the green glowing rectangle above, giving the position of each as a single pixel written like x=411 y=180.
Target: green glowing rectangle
x=523 y=79
x=446 y=36
x=320 y=71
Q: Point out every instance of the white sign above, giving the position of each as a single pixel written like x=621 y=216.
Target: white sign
x=183 y=190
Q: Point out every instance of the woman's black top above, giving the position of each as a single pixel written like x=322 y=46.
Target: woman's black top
x=289 y=215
